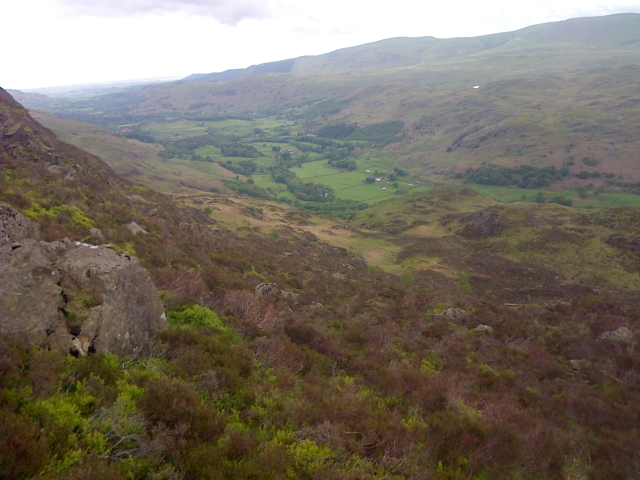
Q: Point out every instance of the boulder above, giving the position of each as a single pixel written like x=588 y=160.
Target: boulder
x=123 y=309
x=14 y=227
x=580 y=365
x=136 y=229
x=455 y=314
x=72 y=296
x=292 y=296
x=96 y=232
x=484 y=329
x=266 y=289
x=622 y=334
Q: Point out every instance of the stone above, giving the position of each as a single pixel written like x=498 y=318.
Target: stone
x=136 y=229
x=96 y=232
x=73 y=296
x=58 y=170
x=622 y=334
x=579 y=365
x=455 y=314
x=293 y=296
x=484 y=329
x=14 y=227
x=266 y=289
x=134 y=197
x=128 y=310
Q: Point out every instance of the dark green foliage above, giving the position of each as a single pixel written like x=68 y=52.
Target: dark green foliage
x=305 y=191
x=339 y=130
x=343 y=164
x=524 y=176
x=229 y=146
x=378 y=132
x=243 y=167
x=238 y=150
x=385 y=132
x=248 y=189
x=141 y=135
x=311 y=192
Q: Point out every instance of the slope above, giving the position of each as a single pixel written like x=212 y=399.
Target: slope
x=290 y=358
x=613 y=32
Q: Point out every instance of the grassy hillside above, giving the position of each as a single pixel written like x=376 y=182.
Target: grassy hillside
x=460 y=367
x=612 y=33
x=516 y=251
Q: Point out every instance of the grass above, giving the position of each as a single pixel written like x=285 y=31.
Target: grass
x=350 y=185
x=404 y=232
x=188 y=128
x=601 y=200
x=142 y=163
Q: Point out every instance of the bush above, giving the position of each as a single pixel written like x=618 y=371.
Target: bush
x=195 y=316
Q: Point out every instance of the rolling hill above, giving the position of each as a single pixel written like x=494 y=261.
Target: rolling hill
x=495 y=353
x=613 y=33
x=552 y=95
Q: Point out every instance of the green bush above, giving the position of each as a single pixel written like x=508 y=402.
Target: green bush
x=195 y=316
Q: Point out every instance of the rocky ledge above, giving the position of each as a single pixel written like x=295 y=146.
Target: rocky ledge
x=72 y=296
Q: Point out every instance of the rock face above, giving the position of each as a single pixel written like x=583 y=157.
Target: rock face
x=485 y=223
x=266 y=289
x=72 y=296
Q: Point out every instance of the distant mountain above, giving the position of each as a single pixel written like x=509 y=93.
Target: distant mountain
x=620 y=31
x=283 y=66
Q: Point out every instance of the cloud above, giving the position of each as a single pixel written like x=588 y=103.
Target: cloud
x=229 y=12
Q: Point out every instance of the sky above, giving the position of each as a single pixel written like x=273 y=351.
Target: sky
x=70 y=42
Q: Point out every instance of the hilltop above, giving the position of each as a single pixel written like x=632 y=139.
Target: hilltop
x=613 y=33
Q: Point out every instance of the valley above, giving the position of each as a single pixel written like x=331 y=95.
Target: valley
x=413 y=259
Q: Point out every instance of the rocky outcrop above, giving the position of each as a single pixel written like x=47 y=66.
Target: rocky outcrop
x=622 y=334
x=73 y=296
x=624 y=243
x=484 y=223
x=266 y=289
x=484 y=329
x=457 y=315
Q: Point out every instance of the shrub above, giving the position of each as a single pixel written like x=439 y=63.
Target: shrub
x=195 y=316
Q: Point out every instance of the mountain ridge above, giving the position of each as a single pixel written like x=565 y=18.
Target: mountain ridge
x=621 y=29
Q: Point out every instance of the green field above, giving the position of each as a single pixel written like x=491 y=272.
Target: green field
x=592 y=200
x=175 y=174
x=350 y=185
x=190 y=128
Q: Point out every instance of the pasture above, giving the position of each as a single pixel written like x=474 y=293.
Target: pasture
x=590 y=200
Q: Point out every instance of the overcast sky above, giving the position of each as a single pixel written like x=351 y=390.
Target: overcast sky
x=68 y=42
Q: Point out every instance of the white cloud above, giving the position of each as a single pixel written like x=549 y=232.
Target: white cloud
x=229 y=12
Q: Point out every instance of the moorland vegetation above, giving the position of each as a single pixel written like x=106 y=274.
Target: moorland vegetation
x=417 y=330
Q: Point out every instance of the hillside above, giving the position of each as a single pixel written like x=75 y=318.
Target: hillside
x=612 y=33
x=288 y=357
